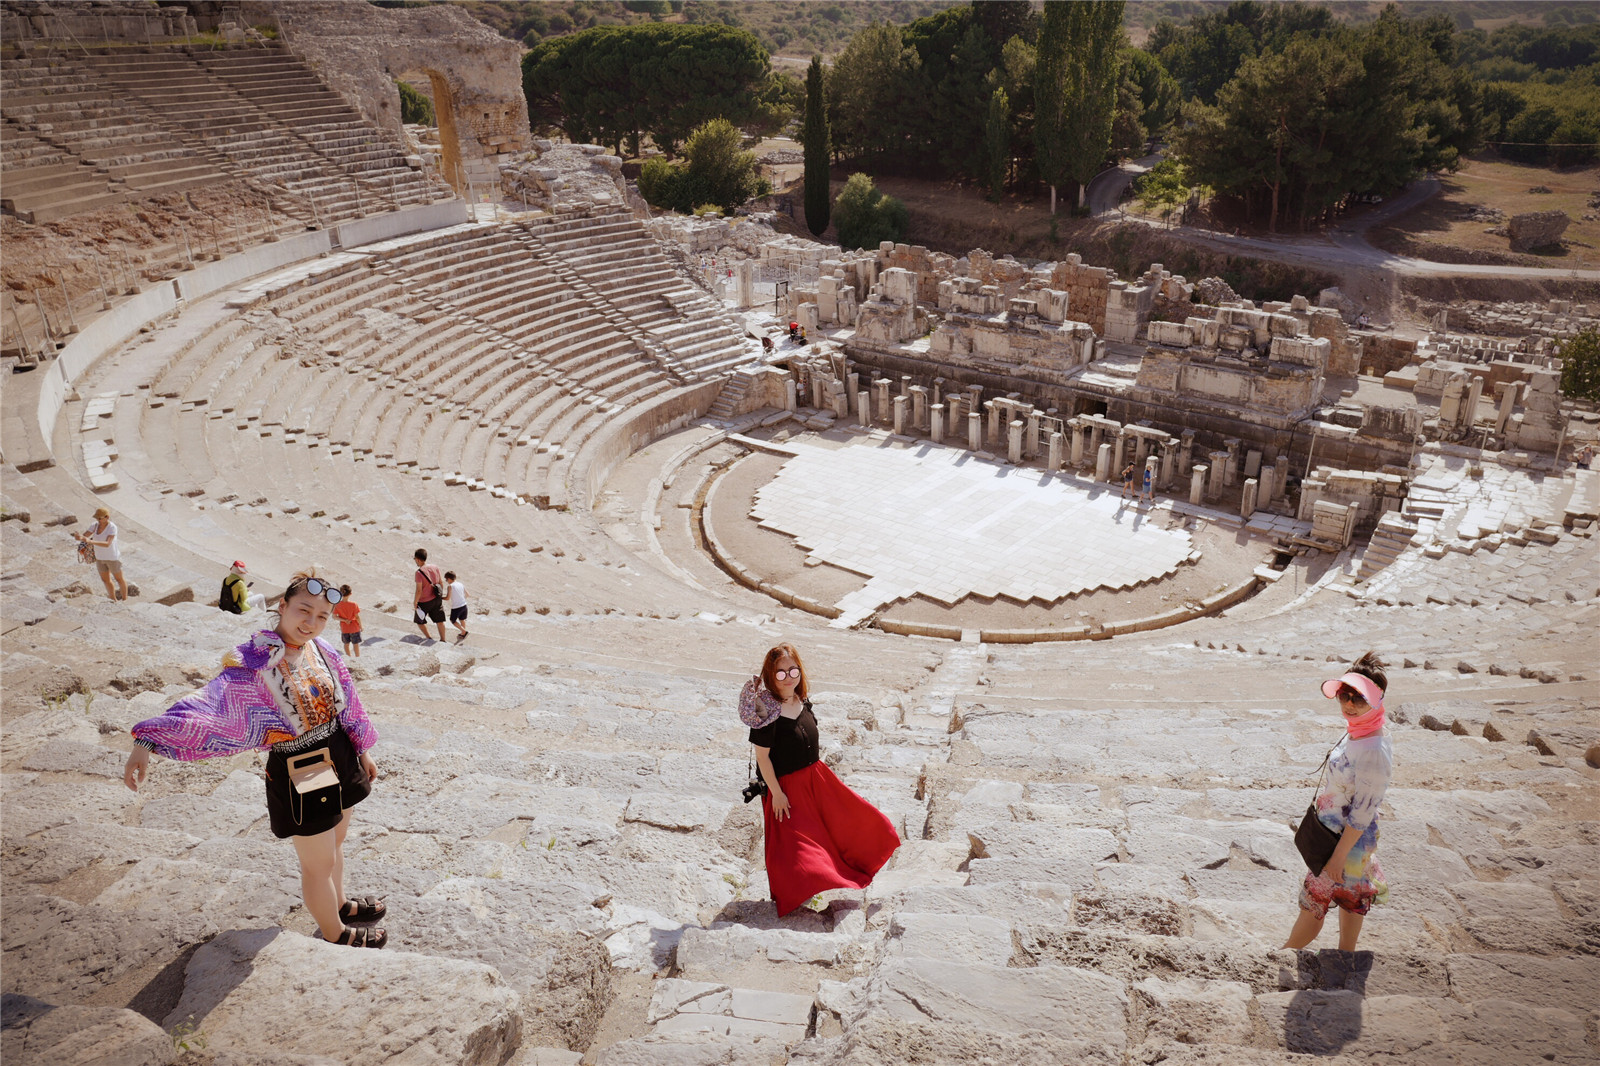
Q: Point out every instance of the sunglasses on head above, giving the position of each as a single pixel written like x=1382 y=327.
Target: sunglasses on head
x=1350 y=695
x=781 y=674
x=316 y=588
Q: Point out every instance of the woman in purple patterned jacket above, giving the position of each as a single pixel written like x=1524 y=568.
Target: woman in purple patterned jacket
x=288 y=692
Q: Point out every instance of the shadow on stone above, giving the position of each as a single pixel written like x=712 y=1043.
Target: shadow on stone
x=161 y=993
x=1321 y=1022
x=243 y=946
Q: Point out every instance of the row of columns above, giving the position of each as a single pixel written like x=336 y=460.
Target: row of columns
x=1085 y=438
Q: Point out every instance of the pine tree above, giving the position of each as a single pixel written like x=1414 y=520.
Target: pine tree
x=997 y=141
x=814 y=136
x=1075 y=90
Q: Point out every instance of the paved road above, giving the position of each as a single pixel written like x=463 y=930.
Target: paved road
x=1105 y=188
x=1344 y=246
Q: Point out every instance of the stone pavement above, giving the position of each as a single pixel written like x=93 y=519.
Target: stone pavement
x=942 y=523
x=1097 y=862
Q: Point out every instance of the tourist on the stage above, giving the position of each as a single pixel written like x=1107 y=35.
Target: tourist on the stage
x=1359 y=769
x=287 y=692
x=1127 y=481
x=819 y=834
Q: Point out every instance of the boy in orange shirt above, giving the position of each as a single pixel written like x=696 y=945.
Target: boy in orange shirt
x=349 y=616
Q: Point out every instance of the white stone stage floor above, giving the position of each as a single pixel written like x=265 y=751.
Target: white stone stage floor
x=945 y=524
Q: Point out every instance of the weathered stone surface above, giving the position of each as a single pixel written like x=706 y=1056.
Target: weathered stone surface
x=1328 y=1023
x=1131 y=956
x=412 y=1008
x=42 y=1034
x=59 y=949
x=951 y=937
x=1562 y=983
x=1194 y=1012
x=1536 y=229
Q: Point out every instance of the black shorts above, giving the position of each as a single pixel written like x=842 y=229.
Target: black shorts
x=351 y=638
x=432 y=610
x=289 y=816
x=458 y=614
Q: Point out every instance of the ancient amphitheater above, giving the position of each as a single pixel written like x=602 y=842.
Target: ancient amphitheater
x=256 y=318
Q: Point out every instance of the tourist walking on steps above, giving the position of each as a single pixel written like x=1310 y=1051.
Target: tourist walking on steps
x=819 y=834
x=457 y=593
x=102 y=539
x=427 y=604
x=1127 y=481
x=288 y=692
x=1359 y=769
x=349 y=616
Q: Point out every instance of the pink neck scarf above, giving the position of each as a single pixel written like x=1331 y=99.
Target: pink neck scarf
x=1364 y=725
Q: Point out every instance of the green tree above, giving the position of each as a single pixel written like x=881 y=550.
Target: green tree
x=866 y=217
x=1580 y=366
x=719 y=170
x=1075 y=90
x=414 y=107
x=1159 y=95
x=616 y=83
x=997 y=140
x=1162 y=188
x=818 y=148
x=873 y=93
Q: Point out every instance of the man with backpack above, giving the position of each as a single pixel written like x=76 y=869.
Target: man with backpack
x=236 y=597
x=428 y=599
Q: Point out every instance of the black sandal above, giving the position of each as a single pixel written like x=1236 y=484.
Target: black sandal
x=367 y=909
x=363 y=937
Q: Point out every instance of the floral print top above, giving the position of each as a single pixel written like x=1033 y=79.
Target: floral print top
x=1358 y=777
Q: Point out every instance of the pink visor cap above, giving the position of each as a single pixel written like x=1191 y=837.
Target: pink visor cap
x=1361 y=683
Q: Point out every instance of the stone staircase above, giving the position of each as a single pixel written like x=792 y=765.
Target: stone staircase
x=1391 y=537
x=732 y=394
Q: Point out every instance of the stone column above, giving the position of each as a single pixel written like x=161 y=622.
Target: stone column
x=994 y=422
x=1117 y=450
x=905 y=384
x=816 y=391
x=1139 y=446
x=1096 y=431
x=1102 y=463
x=864 y=409
x=1268 y=481
x=1030 y=439
x=1014 y=441
x=881 y=387
x=791 y=398
x=1197 y=482
x=1056 y=442
x=919 y=407
x=1078 y=434
x=1282 y=467
x=1169 y=462
x=1218 y=480
x=936 y=423
x=1152 y=466
x=853 y=385
x=952 y=409
x=839 y=400
x=1474 y=391
x=1502 y=416
x=900 y=415
x=1247 y=499
x=974 y=398
x=1186 y=452
x=974 y=431
x=1231 y=473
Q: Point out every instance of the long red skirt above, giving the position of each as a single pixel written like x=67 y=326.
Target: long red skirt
x=832 y=838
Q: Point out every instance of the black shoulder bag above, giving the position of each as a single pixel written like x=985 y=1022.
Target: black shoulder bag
x=1312 y=839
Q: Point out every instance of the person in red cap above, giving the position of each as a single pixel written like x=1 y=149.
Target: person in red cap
x=1360 y=767
x=235 y=597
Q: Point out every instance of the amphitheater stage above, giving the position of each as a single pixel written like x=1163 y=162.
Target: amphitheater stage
x=868 y=523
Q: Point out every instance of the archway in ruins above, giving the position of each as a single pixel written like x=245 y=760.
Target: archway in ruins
x=444 y=113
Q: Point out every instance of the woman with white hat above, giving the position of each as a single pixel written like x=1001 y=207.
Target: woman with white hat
x=1359 y=769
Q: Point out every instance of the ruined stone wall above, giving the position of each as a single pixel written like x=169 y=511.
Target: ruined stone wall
x=1088 y=289
x=1385 y=354
x=475 y=74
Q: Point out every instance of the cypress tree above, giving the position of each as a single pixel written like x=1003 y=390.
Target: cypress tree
x=814 y=136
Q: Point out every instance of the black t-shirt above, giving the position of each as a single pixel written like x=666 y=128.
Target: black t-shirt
x=794 y=741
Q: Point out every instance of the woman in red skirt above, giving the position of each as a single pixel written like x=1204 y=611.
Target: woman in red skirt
x=819 y=834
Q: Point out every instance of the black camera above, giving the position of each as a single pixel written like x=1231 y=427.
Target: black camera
x=755 y=788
